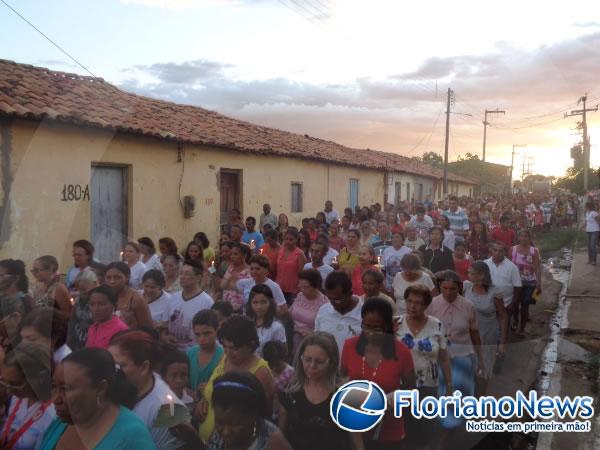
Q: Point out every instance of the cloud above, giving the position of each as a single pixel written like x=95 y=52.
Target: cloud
x=587 y=25
x=402 y=110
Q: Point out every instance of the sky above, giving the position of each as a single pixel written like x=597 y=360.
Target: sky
x=367 y=74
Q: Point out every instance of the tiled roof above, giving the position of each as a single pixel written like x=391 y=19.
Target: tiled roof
x=37 y=93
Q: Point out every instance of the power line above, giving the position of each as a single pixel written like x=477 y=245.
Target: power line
x=47 y=38
x=427 y=136
x=535 y=125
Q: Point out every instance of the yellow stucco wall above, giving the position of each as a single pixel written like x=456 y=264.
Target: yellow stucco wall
x=46 y=156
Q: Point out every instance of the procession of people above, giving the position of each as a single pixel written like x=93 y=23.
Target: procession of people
x=241 y=343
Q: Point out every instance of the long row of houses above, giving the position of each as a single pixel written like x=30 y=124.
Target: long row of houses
x=80 y=158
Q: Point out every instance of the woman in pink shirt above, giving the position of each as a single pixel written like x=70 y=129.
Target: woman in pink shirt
x=103 y=302
x=307 y=304
x=290 y=262
x=459 y=317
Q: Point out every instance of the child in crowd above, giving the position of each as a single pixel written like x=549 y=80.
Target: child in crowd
x=206 y=355
x=412 y=241
x=223 y=311
x=366 y=258
x=261 y=308
x=462 y=261
x=103 y=302
x=174 y=371
x=275 y=353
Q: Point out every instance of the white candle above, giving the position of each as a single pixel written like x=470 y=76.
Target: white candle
x=72 y=301
x=121 y=255
x=171 y=404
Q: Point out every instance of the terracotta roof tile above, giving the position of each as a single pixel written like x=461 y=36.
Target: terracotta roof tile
x=36 y=93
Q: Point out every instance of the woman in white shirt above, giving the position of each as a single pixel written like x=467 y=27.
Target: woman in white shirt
x=149 y=257
x=131 y=256
x=135 y=352
x=261 y=308
x=592 y=228
x=158 y=299
x=410 y=275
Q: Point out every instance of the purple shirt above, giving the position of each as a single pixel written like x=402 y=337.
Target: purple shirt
x=459 y=318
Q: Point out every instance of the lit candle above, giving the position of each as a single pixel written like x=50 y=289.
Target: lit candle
x=212 y=267
x=171 y=404
x=252 y=244
x=261 y=251
x=72 y=301
x=334 y=260
x=121 y=255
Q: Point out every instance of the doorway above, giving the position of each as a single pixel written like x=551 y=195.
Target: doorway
x=230 y=185
x=109 y=211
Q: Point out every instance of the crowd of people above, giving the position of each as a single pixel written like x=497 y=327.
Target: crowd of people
x=242 y=345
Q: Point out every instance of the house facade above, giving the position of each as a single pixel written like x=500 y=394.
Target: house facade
x=81 y=159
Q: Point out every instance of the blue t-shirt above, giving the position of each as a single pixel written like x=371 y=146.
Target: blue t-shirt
x=199 y=375
x=254 y=236
x=127 y=433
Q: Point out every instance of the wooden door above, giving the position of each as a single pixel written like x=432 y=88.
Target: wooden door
x=230 y=193
x=109 y=212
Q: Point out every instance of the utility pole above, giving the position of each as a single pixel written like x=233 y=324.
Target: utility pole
x=450 y=98
x=486 y=123
x=512 y=164
x=586 y=140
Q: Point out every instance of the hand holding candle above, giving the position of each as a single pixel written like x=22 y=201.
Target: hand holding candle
x=171 y=404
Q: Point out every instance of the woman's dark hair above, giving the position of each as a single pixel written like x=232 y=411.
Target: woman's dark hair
x=267 y=292
x=448 y=275
x=274 y=351
x=313 y=277
x=305 y=236
x=172 y=357
x=133 y=245
x=375 y=274
x=156 y=276
x=106 y=291
x=384 y=309
x=50 y=323
x=447 y=225
x=100 y=366
x=121 y=267
x=244 y=250
x=240 y=391
x=483 y=235
x=16 y=268
x=294 y=233
x=139 y=345
x=170 y=244
x=98 y=268
x=355 y=232
x=261 y=260
x=195 y=264
x=240 y=331
x=86 y=246
x=49 y=262
x=225 y=308
x=410 y=263
x=175 y=256
x=186 y=254
x=420 y=290
x=201 y=237
x=482 y=268
x=206 y=317
x=460 y=243
x=272 y=234
x=36 y=364
x=147 y=244
x=341 y=279
x=436 y=228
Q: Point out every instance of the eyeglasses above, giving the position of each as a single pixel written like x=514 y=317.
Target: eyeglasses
x=316 y=362
x=11 y=386
x=366 y=327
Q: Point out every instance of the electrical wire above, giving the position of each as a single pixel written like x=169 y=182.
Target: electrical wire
x=47 y=38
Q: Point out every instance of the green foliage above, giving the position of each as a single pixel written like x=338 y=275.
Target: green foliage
x=573 y=180
x=468 y=157
x=432 y=158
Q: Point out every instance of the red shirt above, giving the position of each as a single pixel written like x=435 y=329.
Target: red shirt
x=99 y=334
x=272 y=254
x=287 y=270
x=357 y=287
x=461 y=267
x=506 y=237
x=389 y=375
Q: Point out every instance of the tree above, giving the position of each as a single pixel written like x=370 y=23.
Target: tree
x=432 y=158
x=573 y=180
x=468 y=157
